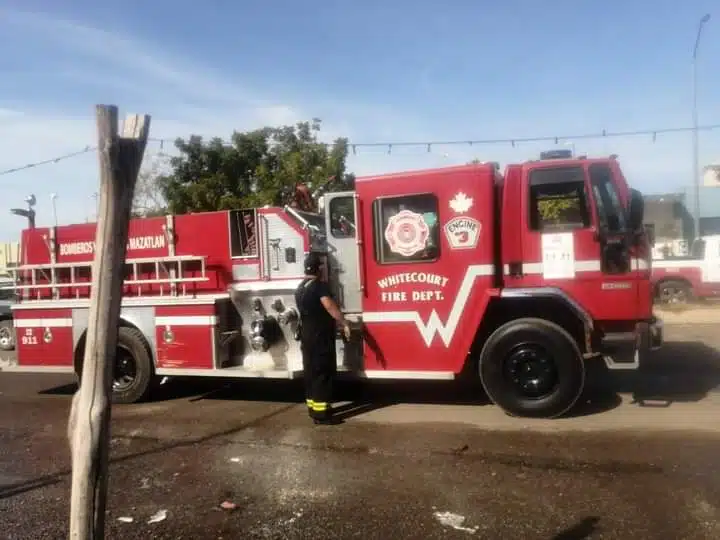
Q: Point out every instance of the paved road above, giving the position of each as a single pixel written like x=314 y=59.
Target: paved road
x=412 y=463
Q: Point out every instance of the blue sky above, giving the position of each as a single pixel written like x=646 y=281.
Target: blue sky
x=373 y=71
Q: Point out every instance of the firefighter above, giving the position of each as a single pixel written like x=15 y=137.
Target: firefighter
x=318 y=316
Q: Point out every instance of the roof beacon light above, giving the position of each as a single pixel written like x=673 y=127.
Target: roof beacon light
x=560 y=153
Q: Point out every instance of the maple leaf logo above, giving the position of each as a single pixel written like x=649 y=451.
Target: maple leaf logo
x=461 y=203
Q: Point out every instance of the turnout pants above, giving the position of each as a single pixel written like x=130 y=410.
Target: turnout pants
x=319 y=370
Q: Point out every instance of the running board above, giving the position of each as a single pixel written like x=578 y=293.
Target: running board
x=15 y=368
x=254 y=373
x=241 y=372
x=619 y=351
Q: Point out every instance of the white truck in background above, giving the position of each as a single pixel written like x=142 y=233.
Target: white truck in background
x=680 y=279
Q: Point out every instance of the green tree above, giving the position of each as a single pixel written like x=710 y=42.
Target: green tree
x=555 y=210
x=257 y=168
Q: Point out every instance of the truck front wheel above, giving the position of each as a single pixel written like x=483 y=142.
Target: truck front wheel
x=532 y=368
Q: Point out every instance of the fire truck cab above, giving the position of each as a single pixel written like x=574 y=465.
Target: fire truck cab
x=519 y=279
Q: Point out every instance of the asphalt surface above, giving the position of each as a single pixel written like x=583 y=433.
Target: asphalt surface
x=420 y=461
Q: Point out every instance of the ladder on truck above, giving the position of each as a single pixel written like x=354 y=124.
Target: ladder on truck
x=166 y=271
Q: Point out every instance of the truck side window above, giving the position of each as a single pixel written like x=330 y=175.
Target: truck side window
x=342 y=217
x=406 y=229
x=243 y=242
x=558 y=200
x=611 y=212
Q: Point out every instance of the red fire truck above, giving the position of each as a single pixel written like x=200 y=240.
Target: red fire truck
x=519 y=279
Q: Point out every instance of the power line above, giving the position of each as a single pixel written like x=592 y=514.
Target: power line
x=513 y=140
x=48 y=161
x=604 y=134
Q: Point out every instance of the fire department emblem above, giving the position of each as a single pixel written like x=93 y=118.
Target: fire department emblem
x=406 y=233
x=463 y=232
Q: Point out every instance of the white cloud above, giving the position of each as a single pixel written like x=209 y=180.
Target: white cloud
x=181 y=97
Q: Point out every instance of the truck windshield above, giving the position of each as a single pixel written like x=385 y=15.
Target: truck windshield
x=558 y=199
x=611 y=213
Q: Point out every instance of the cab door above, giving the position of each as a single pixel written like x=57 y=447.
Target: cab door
x=618 y=287
x=575 y=237
x=343 y=248
x=429 y=240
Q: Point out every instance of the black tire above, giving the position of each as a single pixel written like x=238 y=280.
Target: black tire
x=133 y=354
x=7 y=335
x=558 y=368
x=674 y=292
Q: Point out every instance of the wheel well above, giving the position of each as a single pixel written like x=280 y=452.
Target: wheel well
x=669 y=279
x=503 y=310
x=80 y=347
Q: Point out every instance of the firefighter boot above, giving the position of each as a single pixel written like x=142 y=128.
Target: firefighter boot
x=324 y=415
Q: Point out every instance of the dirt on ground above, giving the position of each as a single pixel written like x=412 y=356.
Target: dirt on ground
x=228 y=460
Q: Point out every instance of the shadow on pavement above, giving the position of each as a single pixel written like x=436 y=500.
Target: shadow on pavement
x=680 y=372
x=64 y=390
x=11 y=490
x=683 y=371
x=584 y=529
x=187 y=388
x=365 y=396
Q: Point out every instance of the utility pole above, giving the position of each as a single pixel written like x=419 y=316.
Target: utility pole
x=89 y=422
x=53 y=200
x=696 y=143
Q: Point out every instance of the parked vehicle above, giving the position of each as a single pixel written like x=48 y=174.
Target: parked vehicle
x=519 y=279
x=678 y=280
x=7 y=331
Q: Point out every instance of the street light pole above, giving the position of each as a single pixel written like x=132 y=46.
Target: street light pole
x=696 y=150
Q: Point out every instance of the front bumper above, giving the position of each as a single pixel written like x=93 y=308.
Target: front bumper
x=630 y=350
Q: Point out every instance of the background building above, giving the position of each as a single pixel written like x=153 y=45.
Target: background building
x=9 y=256
x=670 y=215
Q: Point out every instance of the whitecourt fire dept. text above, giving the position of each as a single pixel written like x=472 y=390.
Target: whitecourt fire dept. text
x=412 y=277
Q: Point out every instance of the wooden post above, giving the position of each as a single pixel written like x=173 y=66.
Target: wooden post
x=89 y=423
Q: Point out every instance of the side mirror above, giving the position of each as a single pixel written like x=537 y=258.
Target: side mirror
x=636 y=210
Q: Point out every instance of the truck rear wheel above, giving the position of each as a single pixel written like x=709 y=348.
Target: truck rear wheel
x=7 y=335
x=533 y=368
x=133 y=369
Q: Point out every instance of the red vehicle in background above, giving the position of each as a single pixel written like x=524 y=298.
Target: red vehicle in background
x=680 y=279
x=519 y=279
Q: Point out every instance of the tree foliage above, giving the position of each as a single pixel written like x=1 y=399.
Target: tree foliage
x=149 y=200
x=260 y=167
x=553 y=210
